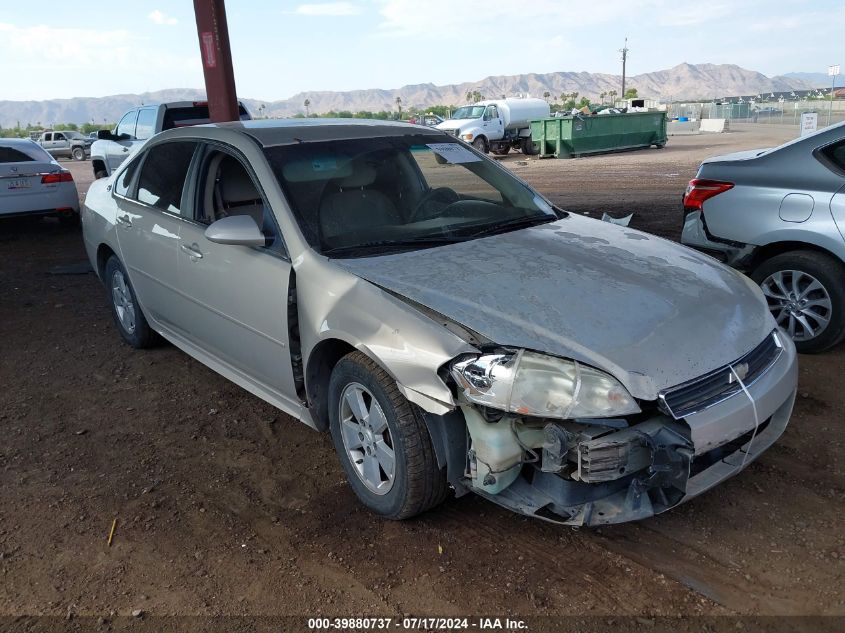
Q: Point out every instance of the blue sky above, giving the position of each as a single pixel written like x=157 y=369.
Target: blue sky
x=71 y=48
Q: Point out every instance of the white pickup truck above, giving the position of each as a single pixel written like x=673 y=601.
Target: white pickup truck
x=136 y=126
x=497 y=125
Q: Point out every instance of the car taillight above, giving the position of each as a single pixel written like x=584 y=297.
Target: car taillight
x=61 y=176
x=701 y=189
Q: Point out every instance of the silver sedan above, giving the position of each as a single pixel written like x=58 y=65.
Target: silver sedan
x=449 y=326
x=33 y=183
x=779 y=214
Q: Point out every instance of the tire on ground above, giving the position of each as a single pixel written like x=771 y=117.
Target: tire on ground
x=830 y=272
x=142 y=336
x=419 y=484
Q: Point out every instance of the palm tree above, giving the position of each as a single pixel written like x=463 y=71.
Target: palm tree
x=307 y=104
x=546 y=95
x=602 y=96
x=399 y=105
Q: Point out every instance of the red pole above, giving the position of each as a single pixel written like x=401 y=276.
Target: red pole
x=216 y=55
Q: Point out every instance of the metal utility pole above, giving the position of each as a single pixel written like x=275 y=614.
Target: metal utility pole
x=832 y=71
x=213 y=33
x=624 y=52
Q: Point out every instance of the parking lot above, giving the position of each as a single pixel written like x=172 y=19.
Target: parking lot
x=227 y=506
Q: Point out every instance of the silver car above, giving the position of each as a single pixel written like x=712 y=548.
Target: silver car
x=33 y=183
x=779 y=214
x=447 y=324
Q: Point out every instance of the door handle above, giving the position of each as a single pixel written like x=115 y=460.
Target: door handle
x=191 y=250
x=125 y=149
x=125 y=220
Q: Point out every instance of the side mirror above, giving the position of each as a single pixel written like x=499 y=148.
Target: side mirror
x=236 y=229
x=105 y=135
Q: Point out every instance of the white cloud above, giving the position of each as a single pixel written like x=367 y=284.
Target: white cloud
x=328 y=8
x=160 y=17
x=106 y=60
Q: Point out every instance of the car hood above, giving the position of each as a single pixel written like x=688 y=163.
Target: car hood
x=650 y=312
x=454 y=124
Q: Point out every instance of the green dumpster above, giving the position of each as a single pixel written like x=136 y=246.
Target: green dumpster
x=576 y=135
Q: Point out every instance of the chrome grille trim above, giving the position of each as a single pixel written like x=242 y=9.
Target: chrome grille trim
x=719 y=385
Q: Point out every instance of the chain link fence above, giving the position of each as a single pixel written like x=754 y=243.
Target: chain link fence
x=762 y=112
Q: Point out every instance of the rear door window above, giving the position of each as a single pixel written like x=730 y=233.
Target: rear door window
x=835 y=155
x=163 y=172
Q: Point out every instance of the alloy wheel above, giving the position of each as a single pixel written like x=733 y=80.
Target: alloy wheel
x=366 y=438
x=799 y=302
x=123 y=304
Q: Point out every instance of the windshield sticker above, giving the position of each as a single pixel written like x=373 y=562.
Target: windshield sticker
x=453 y=153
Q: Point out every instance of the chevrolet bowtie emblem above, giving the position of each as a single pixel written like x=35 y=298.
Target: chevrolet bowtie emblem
x=740 y=371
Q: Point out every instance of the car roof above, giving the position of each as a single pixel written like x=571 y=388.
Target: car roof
x=18 y=142
x=272 y=132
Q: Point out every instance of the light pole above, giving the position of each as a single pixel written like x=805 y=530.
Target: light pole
x=624 y=52
x=832 y=71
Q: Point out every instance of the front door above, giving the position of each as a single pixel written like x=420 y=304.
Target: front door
x=238 y=294
x=61 y=145
x=119 y=150
x=493 y=123
x=149 y=220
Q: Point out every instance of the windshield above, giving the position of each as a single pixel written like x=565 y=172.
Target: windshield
x=73 y=135
x=366 y=196
x=469 y=112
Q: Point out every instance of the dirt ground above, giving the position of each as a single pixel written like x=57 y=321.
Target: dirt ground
x=227 y=506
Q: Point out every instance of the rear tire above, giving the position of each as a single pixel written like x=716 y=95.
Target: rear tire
x=806 y=288
x=126 y=312
x=480 y=144
x=368 y=414
x=528 y=147
x=78 y=153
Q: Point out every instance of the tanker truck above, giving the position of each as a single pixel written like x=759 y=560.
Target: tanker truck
x=497 y=125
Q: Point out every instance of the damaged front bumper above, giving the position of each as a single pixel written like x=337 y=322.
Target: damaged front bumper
x=669 y=460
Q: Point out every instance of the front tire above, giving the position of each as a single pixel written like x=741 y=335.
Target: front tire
x=805 y=291
x=382 y=441
x=128 y=318
x=480 y=144
x=78 y=153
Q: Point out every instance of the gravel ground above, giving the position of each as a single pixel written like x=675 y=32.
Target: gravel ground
x=227 y=506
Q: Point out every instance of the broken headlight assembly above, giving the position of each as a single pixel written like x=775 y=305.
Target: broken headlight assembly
x=532 y=384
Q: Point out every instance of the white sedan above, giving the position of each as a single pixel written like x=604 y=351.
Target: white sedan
x=33 y=183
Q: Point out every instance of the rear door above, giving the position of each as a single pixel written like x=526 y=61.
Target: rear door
x=150 y=216
x=834 y=156
x=238 y=308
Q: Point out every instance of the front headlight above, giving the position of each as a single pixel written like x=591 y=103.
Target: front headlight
x=527 y=383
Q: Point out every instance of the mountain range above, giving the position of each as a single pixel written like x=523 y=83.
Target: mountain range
x=685 y=81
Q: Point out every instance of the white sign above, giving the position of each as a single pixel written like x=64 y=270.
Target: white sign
x=809 y=123
x=832 y=71
x=454 y=153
